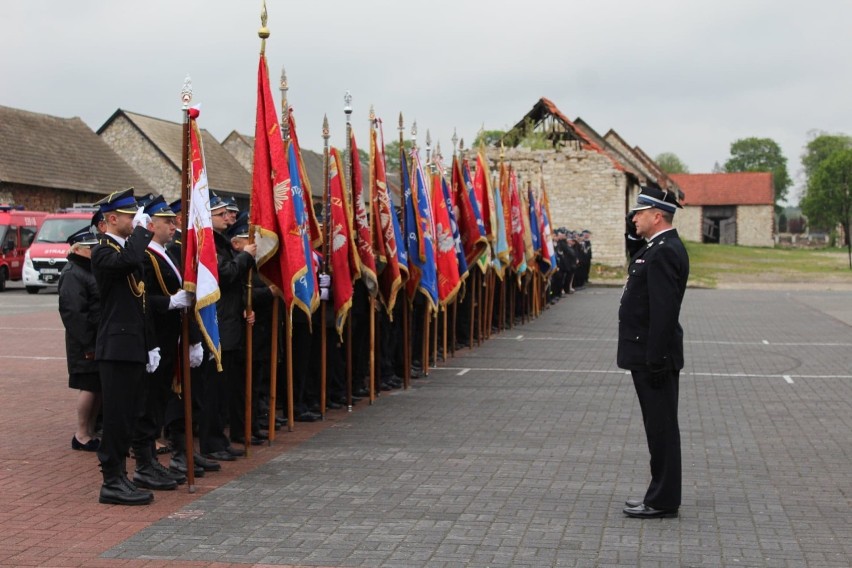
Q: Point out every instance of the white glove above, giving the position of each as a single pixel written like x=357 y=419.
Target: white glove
x=196 y=354
x=141 y=218
x=181 y=299
x=324 y=282
x=153 y=360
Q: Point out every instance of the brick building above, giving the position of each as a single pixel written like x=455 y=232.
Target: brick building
x=728 y=208
x=591 y=180
x=48 y=162
x=152 y=147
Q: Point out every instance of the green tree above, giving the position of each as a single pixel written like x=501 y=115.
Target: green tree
x=761 y=155
x=671 y=164
x=820 y=147
x=489 y=138
x=828 y=196
x=392 y=154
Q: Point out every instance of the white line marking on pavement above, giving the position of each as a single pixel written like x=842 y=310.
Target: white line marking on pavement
x=788 y=378
x=463 y=371
x=33 y=329
x=32 y=357
x=693 y=341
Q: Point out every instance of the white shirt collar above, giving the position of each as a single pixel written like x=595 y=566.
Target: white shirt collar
x=119 y=240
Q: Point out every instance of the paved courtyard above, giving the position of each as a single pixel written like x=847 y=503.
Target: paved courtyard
x=518 y=453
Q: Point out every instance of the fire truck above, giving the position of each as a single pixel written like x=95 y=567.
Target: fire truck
x=49 y=251
x=17 y=229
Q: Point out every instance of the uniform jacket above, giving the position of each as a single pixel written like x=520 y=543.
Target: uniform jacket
x=648 y=329
x=124 y=333
x=80 y=310
x=233 y=273
x=161 y=282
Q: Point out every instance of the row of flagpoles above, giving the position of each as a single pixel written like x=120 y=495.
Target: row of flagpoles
x=459 y=233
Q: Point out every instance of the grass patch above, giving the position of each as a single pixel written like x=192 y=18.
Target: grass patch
x=711 y=265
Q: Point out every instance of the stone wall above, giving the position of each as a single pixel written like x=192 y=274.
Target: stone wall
x=755 y=225
x=143 y=157
x=585 y=191
x=43 y=198
x=243 y=153
x=688 y=223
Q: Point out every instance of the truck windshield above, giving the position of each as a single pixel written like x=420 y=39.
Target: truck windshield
x=3 y=229
x=58 y=230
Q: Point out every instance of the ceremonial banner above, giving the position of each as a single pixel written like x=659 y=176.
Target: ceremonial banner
x=362 y=235
x=502 y=255
x=471 y=228
x=306 y=288
x=484 y=257
x=535 y=222
x=314 y=228
x=459 y=248
x=445 y=245
x=519 y=263
x=276 y=213
x=384 y=227
x=344 y=260
x=482 y=187
x=419 y=235
x=201 y=271
x=548 y=251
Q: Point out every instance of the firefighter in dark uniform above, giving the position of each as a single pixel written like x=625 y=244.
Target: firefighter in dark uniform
x=165 y=296
x=224 y=391
x=125 y=347
x=650 y=345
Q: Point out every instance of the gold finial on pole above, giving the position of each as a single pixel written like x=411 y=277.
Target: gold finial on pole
x=455 y=141
x=263 y=32
x=401 y=127
x=372 y=117
x=285 y=108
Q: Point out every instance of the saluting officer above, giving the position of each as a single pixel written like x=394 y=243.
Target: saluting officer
x=125 y=346
x=650 y=345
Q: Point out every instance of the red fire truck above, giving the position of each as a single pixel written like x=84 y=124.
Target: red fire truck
x=17 y=230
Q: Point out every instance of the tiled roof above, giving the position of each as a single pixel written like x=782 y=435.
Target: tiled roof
x=224 y=172
x=62 y=153
x=743 y=188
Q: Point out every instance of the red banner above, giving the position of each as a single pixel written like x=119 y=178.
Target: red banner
x=384 y=239
x=445 y=245
x=344 y=268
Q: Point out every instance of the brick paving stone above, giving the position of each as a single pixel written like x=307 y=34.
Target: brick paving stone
x=525 y=459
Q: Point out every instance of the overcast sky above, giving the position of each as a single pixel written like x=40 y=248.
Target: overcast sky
x=678 y=76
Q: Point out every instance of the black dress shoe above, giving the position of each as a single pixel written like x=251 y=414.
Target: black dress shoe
x=179 y=477
x=333 y=405
x=634 y=502
x=91 y=446
x=206 y=464
x=178 y=464
x=307 y=416
x=221 y=455
x=149 y=478
x=645 y=512
x=236 y=452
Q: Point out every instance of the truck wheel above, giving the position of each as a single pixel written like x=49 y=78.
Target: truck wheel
x=33 y=289
x=3 y=276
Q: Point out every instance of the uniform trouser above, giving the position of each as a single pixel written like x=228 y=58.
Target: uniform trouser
x=156 y=392
x=233 y=363
x=659 y=413
x=302 y=388
x=122 y=388
x=174 y=416
x=391 y=335
x=211 y=424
